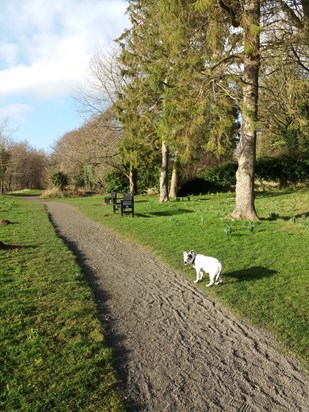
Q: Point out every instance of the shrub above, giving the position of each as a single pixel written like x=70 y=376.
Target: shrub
x=285 y=169
x=199 y=186
x=59 y=179
x=51 y=193
x=148 y=178
x=224 y=175
x=115 y=181
x=78 y=181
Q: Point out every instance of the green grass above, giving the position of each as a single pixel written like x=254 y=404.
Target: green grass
x=52 y=350
x=265 y=264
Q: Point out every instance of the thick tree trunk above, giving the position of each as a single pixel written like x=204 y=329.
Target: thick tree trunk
x=245 y=208
x=174 y=180
x=133 y=181
x=164 y=174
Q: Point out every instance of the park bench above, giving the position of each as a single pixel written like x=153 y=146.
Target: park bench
x=126 y=203
x=114 y=201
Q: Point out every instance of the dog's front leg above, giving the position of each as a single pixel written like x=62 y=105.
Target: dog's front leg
x=199 y=275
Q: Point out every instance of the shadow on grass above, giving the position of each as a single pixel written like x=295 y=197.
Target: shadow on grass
x=4 y=246
x=171 y=212
x=26 y=194
x=254 y=273
x=302 y=216
x=277 y=216
x=275 y=193
x=166 y=213
x=142 y=215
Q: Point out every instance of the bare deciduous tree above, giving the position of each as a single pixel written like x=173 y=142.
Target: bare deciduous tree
x=89 y=152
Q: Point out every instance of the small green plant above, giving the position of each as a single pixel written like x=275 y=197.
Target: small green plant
x=6 y=205
x=273 y=215
x=251 y=227
x=228 y=229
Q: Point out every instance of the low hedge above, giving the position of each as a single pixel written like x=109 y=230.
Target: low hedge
x=224 y=174
x=199 y=186
x=285 y=169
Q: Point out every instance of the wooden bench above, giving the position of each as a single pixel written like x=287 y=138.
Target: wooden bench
x=115 y=202
x=126 y=203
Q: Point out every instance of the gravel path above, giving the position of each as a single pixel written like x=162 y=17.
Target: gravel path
x=177 y=349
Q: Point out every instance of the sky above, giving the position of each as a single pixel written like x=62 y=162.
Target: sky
x=45 y=50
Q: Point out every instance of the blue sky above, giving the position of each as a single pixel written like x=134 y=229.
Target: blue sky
x=45 y=50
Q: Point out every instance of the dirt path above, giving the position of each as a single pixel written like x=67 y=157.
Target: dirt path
x=177 y=350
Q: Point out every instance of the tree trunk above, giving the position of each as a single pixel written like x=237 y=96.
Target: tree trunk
x=133 y=181
x=174 y=181
x=164 y=174
x=245 y=208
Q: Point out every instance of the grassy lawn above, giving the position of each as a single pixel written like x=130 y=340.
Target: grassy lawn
x=52 y=345
x=52 y=350
x=266 y=266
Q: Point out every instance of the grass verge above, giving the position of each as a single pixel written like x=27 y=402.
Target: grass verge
x=53 y=353
x=265 y=263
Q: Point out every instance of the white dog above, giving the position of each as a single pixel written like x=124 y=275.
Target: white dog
x=206 y=264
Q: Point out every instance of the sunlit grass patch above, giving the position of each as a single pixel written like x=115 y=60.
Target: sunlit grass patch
x=52 y=347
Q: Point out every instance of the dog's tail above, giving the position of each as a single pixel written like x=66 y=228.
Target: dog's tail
x=218 y=274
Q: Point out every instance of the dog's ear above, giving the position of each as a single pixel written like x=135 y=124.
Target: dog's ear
x=191 y=251
x=184 y=253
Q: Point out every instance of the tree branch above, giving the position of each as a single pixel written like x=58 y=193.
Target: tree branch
x=231 y=12
x=298 y=60
x=226 y=59
x=305 y=4
x=291 y=14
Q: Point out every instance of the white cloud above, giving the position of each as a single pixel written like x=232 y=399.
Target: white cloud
x=9 y=52
x=14 y=112
x=48 y=78
x=47 y=44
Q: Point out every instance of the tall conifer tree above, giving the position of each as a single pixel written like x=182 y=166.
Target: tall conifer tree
x=244 y=17
x=139 y=103
x=167 y=58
